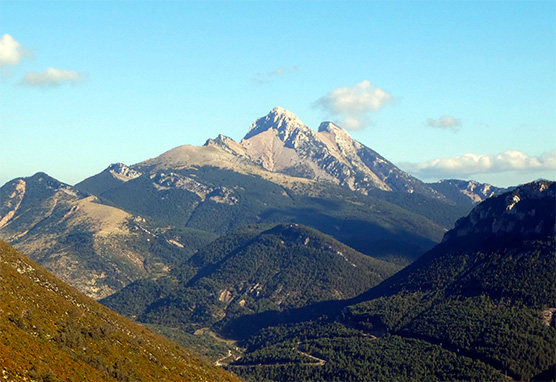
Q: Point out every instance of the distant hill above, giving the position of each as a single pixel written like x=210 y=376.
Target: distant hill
x=248 y=271
x=51 y=332
x=480 y=305
x=95 y=247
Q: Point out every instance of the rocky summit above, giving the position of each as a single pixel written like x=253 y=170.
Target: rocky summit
x=280 y=142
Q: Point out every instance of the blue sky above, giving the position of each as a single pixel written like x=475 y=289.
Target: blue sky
x=444 y=89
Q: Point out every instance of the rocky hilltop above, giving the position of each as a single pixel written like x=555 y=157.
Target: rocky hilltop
x=526 y=211
x=280 y=142
x=468 y=192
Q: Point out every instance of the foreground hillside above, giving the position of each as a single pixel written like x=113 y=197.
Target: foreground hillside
x=51 y=332
x=479 y=306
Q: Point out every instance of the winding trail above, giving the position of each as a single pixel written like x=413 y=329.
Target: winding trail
x=220 y=361
x=318 y=361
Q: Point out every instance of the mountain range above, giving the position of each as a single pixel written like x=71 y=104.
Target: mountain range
x=315 y=257
x=127 y=223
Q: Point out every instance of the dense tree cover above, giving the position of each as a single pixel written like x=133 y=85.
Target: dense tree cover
x=99 y=183
x=484 y=303
x=139 y=295
x=385 y=314
x=502 y=333
x=481 y=303
x=329 y=351
x=252 y=270
x=440 y=211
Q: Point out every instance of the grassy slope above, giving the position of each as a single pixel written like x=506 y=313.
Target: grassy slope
x=49 y=331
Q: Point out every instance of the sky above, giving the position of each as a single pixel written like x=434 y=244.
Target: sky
x=443 y=89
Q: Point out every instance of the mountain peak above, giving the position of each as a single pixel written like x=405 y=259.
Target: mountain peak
x=329 y=127
x=340 y=135
x=280 y=112
x=278 y=119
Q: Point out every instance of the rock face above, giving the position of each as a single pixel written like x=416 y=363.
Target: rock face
x=162 y=181
x=527 y=211
x=123 y=172
x=280 y=142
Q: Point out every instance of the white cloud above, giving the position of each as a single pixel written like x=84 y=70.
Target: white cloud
x=354 y=104
x=471 y=164
x=11 y=51
x=52 y=77
x=445 y=122
x=265 y=78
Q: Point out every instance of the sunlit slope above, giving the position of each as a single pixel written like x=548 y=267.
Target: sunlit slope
x=50 y=331
x=94 y=247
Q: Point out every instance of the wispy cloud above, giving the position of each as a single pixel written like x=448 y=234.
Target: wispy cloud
x=471 y=164
x=11 y=51
x=445 y=122
x=353 y=104
x=266 y=78
x=52 y=77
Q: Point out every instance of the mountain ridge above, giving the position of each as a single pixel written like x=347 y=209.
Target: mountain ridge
x=329 y=153
x=468 y=192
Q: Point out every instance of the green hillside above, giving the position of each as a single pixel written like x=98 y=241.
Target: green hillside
x=251 y=270
x=480 y=306
x=216 y=200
